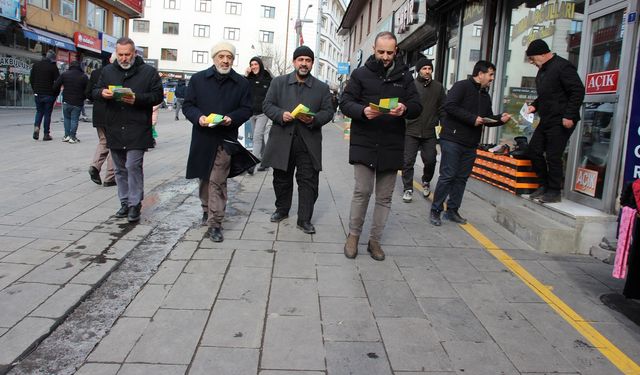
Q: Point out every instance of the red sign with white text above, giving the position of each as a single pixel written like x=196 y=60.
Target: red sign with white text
x=133 y=4
x=586 y=181
x=602 y=82
x=88 y=42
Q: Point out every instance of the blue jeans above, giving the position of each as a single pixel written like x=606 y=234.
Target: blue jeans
x=456 y=164
x=71 y=115
x=44 y=107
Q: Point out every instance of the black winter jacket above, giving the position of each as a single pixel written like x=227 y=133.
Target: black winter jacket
x=560 y=92
x=378 y=143
x=99 y=105
x=74 y=82
x=259 y=86
x=43 y=74
x=128 y=127
x=466 y=100
x=432 y=97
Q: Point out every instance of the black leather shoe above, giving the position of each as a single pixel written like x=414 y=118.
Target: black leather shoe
x=134 y=213
x=550 y=197
x=36 y=133
x=123 y=211
x=216 y=234
x=277 y=217
x=205 y=218
x=109 y=183
x=94 y=173
x=434 y=218
x=251 y=170
x=453 y=215
x=537 y=193
x=306 y=227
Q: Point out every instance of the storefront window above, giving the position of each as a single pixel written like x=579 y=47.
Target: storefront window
x=452 y=40
x=559 y=23
x=470 y=51
x=15 y=88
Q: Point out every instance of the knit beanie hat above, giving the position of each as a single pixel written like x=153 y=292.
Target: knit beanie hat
x=303 y=51
x=537 y=47
x=51 y=55
x=223 y=46
x=423 y=62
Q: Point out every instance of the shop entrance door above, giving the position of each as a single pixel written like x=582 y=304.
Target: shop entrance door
x=592 y=173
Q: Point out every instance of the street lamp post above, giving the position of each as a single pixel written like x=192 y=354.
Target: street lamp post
x=298 y=24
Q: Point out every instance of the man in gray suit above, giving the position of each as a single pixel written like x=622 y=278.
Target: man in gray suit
x=295 y=140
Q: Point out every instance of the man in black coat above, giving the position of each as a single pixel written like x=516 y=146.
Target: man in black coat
x=421 y=132
x=74 y=82
x=295 y=142
x=181 y=90
x=99 y=122
x=467 y=110
x=260 y=79
x=376 y=146
x=43 y=74
x=130 y=88
x=215 y=152
x=560 y=95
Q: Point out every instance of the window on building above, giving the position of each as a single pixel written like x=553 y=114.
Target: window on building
x=203 y=6
x=147 y=3
x=323 y=45
x=69 y=9
x=528 y=82
x=201 y=31
x=145 y=51
x=96 y=17
x=119 y=26
x=361 y=27
x=474 y=55
x=233 y=8
x=369 y=24
x=200 y=57
x=231 y=33
x=140 y=26
x=324 y=23
x=477 y=30
x=168 y=54
x=268 y=12
x=266 y=36
x=379 y=10
x=171 y=4
x=171 y=28
x=40 y=3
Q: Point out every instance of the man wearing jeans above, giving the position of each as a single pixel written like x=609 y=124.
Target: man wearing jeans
x=130 y=89
x=376 y=146
x=43 y=74
x=467 y=109
x=74 y=82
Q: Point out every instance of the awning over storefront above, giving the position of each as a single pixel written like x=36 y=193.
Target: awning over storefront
x=47 y=37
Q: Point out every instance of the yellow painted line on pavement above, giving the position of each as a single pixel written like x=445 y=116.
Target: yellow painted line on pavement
x=625 y=364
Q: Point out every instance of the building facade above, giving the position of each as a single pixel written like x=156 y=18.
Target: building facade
x=84 y=30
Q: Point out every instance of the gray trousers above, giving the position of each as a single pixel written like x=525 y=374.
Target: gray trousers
x=365 y=180
x=261 y=129
x=129 y=175
x=213 y=192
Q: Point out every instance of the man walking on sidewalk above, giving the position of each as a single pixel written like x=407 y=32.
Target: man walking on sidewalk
x=560 y=96
x=467 y=109
x=260 y=79
x=295 y=143
x=421 y=132
x=376 y=146
x=181 y=89
x=43 y=74
x=99 y=122
x=74 y=83
x=128 y=120
x=215 y=153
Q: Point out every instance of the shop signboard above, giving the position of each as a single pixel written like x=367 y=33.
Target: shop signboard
x=152 y=62
x=10 y=9
x=343 y=68
x=586 y=181
x=408 y=17
x=108 y=42
x=133 y=4
x=632 y=159
x=602 y=82
x=87 y=42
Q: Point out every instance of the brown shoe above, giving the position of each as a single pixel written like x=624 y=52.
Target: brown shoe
x=351 y=246
x=375 y=250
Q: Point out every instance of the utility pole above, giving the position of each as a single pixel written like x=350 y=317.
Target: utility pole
x=298 y=24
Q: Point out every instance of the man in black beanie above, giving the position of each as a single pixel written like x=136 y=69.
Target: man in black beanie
x=421 y=132
x=295 y=140
x=560 y=96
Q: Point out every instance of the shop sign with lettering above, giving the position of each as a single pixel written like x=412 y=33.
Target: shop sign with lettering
x=405 y=16
x=632 y=159
x=602 y=82
x=586 y=181
x=87 y=42
x=548 y=12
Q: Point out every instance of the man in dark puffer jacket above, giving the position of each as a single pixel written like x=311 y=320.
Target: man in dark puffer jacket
x=74 y=82
x=43 y=74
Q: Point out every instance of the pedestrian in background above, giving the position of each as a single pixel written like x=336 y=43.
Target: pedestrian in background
x=42 y=76
x=260 y=80
x=98 y=114
x=560 y=96
x=215 y=153
x=181 y=89
x=421 y=132
x=128 y=121
x=467 y=110
x=295 y=143
x=74 y=83
x=376 y=145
